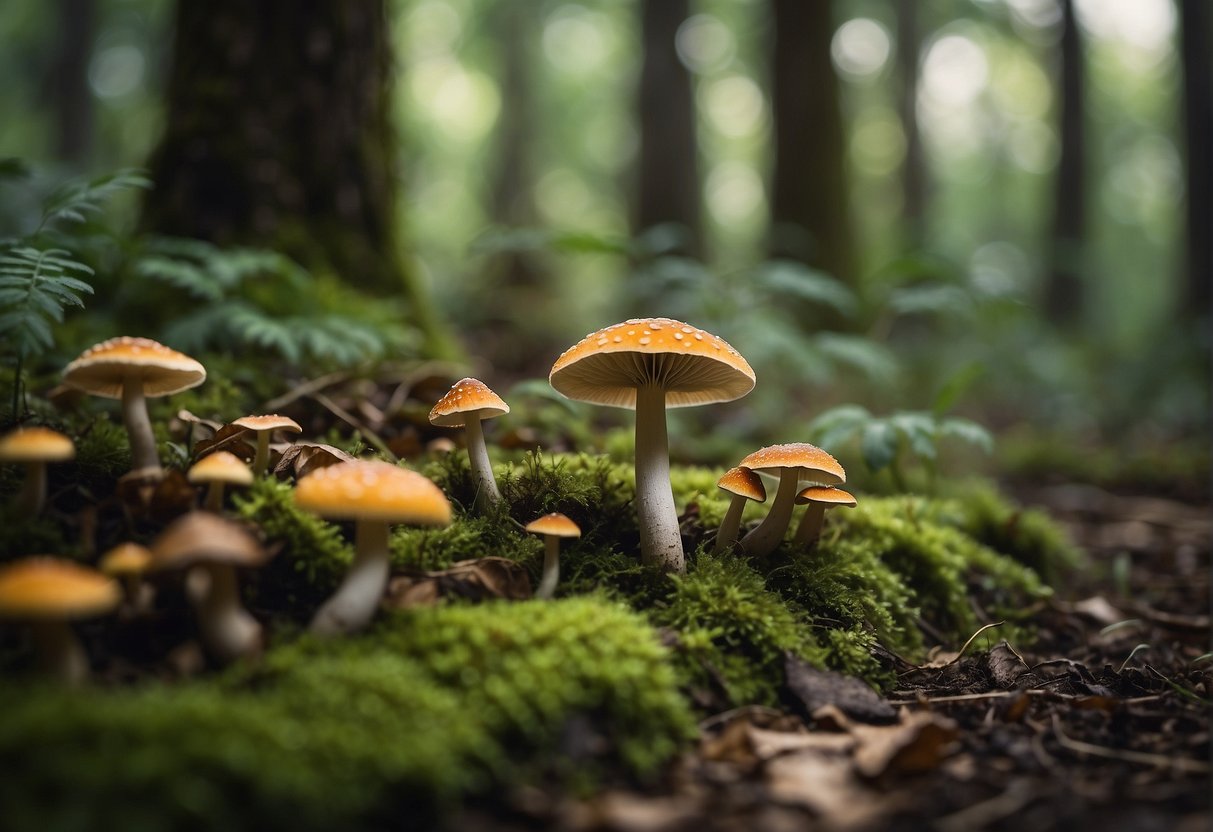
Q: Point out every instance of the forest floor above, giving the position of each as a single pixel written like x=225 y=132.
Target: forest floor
x=1102 y=723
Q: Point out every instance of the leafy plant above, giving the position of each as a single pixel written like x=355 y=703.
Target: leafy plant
x=255 y=299
x=41 y=274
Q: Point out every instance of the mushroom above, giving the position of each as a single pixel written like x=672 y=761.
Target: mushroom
x=373 y=495
x=49 y=592
x=216 y=546
x=34 y=447
x=217 y=470
x=649 y=364
x=792 y=463
x=819 y=498
x=467 y=403
x=553 y=527
x=133 y=370
x=744 y=485
x=263 y=426
x=127 y=562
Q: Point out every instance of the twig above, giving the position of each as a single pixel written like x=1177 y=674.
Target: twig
x=352 y=420
x=727 y=716
x=1183 y=764
x=306 y=389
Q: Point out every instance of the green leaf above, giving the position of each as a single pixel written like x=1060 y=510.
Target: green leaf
x=539 y=388
x=932 y=299
x=878 y=445
x=874 y=360
x=787 y=278
x=919 y=429
x=74 y=201
x=955 y=385
x=967 y=431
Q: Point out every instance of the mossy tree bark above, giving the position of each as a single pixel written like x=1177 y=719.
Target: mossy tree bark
x=279 y=133
x=810 y=216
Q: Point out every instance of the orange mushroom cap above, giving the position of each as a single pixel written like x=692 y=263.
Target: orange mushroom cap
x=104 y=368
x=744 y=483
x=36 y=444
x=826 y=494
x=813 y=463
x=554 y=524
x=465 y=396
x=45 y=587
x=367 y=490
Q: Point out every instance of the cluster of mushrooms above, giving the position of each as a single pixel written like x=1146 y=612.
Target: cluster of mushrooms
x=646 y=365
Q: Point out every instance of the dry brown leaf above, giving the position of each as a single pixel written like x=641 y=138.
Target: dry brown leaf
x=825 y=784
x=1005 y=666
x=478 y=580
x=302 y=458
x=920 y=742
x=228 y=438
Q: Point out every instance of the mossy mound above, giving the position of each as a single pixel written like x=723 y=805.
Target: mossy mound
x=386 y=728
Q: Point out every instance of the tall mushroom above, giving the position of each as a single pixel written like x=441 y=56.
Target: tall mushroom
x=205 y=541
x=133 y=370
x=819 y=498
x=34 y=447
x=743 y=484
x=792 y=463
x=467 y=403
x=215 y=471
x=49 y=593
x=647 y=365
x=263 y=426
x=373 y=495
x=553 y=527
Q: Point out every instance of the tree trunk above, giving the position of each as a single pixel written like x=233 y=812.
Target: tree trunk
x=1197 y=39
x=669 y=188
x=73 y=101
x=914 y=167
x=810 y=214
x=279 y=133
x=1064 y=290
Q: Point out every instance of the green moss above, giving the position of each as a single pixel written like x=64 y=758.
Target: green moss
x=470 y=537
x=379 y=730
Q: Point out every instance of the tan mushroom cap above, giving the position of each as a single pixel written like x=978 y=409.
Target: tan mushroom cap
x=202 y=537
x=221 y=466
x=102 y=369
x=36 y=445
x=554 y=524
x=368 y=490
x=693 y=366
x=271 y=421
x=825 y=494
x=744 y=483
x=814 y=463
x=467 y=395
x=44 y=587
x=126 y=559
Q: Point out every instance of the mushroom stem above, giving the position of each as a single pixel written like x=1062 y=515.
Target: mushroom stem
x=59 y=652
x=214 y=497
x=228 y=631
x=551 y=567
x=487 y=495
x=769 y=534
x=138 y=425
x=355 y=601
x=726 y=535
x=33 y=490
x=261 y=460
x=660 y=540
x=810 y=525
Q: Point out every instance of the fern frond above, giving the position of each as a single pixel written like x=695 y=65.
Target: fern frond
x=74 y=201
x=35 y=287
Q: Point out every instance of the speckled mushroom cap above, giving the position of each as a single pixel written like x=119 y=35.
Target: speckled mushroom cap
x=271 y=421
x=200 y=537
x=102 y=369
x=694 y=367
x=36 y=445
x=744 y=483
x=815 y=464
x=554 y=524
x=44 y=587
x=221 y=466
x=367 y=490
x=825 y=494
x=126 y=559
x=465 y=396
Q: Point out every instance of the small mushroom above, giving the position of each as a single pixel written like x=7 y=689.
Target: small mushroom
x=553 y=527
x=792 y=463
x=819 y=498
x=48 y=593
x=373 y=495
x=134 y=370
x=465 y=405
x=744 y=485
x=649 y=365
x=217 y=470
x=128 y=562
x=216 y=546
x=34 y=447
x=263 y=426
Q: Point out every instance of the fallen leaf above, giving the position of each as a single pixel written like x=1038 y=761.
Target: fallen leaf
x=920 y=742
x=825 y=784
x=813 y=689
x=302 y=458
x=1005 y=666
x=228 y=438
x=476 y=580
